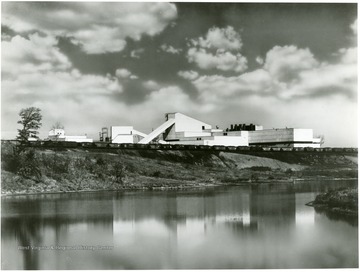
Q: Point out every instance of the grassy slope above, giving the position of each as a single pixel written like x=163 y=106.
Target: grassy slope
x=77 y=169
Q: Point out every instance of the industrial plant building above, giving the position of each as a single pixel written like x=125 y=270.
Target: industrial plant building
x=181 y=129
x=58 y=135
x=121 y=134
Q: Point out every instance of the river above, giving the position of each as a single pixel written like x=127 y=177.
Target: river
x=258 y=226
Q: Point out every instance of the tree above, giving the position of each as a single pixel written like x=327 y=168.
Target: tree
x=31 y=122
x=57 y=125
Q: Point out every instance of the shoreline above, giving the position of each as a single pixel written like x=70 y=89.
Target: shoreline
x=38 y=171
x=176 y=188
x=341 y=201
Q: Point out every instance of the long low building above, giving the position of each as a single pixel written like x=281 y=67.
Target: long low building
x=181 y=129
x=58 y=135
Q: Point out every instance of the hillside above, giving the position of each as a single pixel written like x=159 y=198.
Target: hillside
x=59 y=170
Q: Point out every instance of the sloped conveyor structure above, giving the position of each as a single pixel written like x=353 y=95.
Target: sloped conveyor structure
x=157 y=131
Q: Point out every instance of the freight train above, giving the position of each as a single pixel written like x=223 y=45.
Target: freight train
x=154 y=146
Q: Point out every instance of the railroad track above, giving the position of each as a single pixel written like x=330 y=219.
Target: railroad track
x=105 y=145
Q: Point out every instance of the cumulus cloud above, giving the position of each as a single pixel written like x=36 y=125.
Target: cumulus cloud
x=259 y=60
x=189 y=75
x=170 y=49
x=299 y=75
x=284 y=63
x=151 y=85
x=36 y=73
x=136 y=53
x=32 y=55
x=125 y=73
x=219 y=49
x=218 y=88
x=225 y=61
x=98 y=27
x=348 y=55
x=220 y=38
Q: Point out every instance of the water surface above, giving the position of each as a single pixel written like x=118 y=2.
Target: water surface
x=263 y=226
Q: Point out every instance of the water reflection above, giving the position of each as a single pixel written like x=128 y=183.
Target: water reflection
x=240 y=227
x=335 y=216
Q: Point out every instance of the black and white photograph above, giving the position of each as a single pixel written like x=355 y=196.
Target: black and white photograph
x=179 y=135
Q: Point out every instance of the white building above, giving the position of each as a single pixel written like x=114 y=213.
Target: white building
x=125 y=134
x=292 y=137
x=181 y=129
x=58 y=134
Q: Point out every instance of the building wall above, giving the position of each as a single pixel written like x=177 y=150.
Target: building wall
x=227 y=141
x=57 y=132
x=79 y=139
x=123 y=139
x=121 y=134
x=59 y=135
x=271 y=135
x=292 y=136
x=116 y=130
x=185 y=123
x=303 y=135
x=196 y=134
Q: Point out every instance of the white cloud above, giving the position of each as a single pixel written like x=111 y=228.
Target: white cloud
x=220 y=38
x=354 y=27
x=151 y=85
x=217 y=89
x=225 y=61
x=218 y=50
x=36 y=54
x=259 y=60
x=36 y=73
x=284 y=63
x=98 y=27
x=170 y=49
x=189 y=75
x=124 y=73
x=348 y=55
x=136 y=53
x=297 y=75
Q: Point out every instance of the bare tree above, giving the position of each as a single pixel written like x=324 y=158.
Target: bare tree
x=57 y=125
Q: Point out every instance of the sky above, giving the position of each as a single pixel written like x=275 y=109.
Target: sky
x=90 y=65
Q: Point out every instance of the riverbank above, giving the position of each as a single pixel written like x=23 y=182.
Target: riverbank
x=343 y=201
x=69 y=170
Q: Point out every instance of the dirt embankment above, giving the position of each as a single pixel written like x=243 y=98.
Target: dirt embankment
x=45 y=170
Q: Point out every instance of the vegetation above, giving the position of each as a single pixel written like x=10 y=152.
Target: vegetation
x=34 y=171
x=61 y=170
x=344 y=200
x=57 y=125
x=31 y=122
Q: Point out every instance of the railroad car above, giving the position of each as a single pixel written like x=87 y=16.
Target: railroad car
x=219 y=147
x=243 y=148
x=255 y=148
